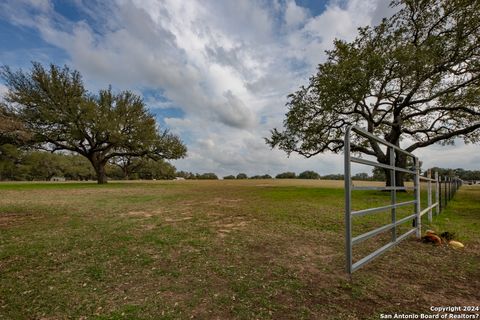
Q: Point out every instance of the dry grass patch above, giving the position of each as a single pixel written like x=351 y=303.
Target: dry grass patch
x=216 y=250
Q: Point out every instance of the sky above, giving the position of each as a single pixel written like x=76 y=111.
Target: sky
x=217 y=73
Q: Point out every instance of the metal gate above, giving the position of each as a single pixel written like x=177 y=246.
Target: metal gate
x=416 y=216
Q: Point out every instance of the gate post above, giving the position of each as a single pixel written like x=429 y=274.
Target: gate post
x=447 y=184
x=348 y=201
x=437 y=194
x=417 y=199
x=449 y=188
x=393 y=194
x=429 y=192
x=440 y=194
x=445 y=191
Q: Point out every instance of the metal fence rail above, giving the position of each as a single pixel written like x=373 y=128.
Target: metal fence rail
x=416 y=215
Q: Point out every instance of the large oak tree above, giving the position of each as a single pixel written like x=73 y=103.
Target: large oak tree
x=12 y=130
x=414 y=80
x=61 y=114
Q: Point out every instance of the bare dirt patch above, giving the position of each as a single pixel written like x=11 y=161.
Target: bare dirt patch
x=225 y=202
x=227 y=225
x=9 y=219
x=140 y=214
x=178 y=219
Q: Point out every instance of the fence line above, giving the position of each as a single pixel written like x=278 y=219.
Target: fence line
x=450 y=186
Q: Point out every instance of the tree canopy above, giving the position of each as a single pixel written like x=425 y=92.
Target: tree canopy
x=12 y=130
x=206 y=176
x=242 y=176
x=127 y=167
x=19 y=164
x=309 y=174
x=286 y=175
x=60 y=114
x=459 y=172
x=413 y=79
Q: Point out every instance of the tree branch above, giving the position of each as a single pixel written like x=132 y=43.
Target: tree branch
x=446 y=136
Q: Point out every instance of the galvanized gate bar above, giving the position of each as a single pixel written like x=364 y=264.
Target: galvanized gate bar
x=427 y=179
x=378 y=252
x=416 y=216
x=384 y=142
x=373 y=233
x=380 y=188
x=383 y=208
x=380 y=165
x=428 y=209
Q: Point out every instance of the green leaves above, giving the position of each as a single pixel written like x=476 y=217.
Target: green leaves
x=415 y=77
x=62 y=115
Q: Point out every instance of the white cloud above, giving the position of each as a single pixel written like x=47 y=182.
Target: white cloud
x=20 y=12
x=459 y=155
x=294 y=15
x=228 y=65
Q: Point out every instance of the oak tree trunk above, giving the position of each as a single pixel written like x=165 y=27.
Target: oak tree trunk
x=99 y=166
x=101 y=174
x=126 y=173
x=400 y=162
x=399 y=178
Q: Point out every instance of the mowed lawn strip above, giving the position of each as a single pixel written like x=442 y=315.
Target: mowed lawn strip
x=264 y=249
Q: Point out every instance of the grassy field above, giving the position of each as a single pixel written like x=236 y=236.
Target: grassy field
x=255 y=249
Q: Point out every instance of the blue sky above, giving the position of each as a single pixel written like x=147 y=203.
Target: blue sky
x=215 y=72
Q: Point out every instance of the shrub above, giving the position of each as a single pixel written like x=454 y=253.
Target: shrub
x=309 y=175
x=206 y=176
x=286 y=175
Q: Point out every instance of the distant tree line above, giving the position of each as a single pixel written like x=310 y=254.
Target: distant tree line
x=196 y=176
x=379 y=174
x=242 y=176
x=336 y=176
x=284 y=175
x=459 y=172
x=17 y=164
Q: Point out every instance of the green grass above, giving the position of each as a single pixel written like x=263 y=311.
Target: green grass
x=462 y=215
x=218 y=250
x=53 y=185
